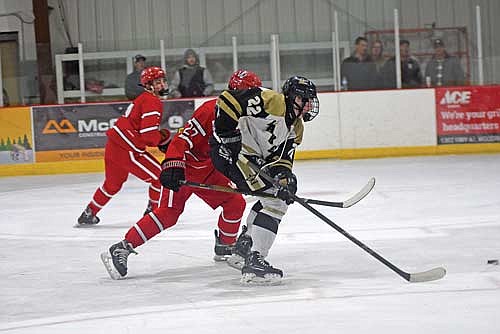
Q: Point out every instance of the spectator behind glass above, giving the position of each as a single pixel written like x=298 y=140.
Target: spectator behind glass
x=358 y=71
x=192 y=80
x=411 y=76
x=377 y=54
x=133 y=87
x=443 y=69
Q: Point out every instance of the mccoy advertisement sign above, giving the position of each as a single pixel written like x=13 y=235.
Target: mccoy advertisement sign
x=78 y=132
x=468 y=114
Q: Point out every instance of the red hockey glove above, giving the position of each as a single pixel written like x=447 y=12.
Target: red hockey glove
x=164 y=141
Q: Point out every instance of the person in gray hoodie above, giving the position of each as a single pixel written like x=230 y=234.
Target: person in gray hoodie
x=192 y=79
x=443 y=69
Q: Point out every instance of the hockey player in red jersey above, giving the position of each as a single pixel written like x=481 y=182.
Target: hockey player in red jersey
x=125 y=151
x=187 y=158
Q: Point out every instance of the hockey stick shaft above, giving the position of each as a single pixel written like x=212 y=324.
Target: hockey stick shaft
x=430 y=275
x=367 y=249
x=225 y=189
x=256 y=193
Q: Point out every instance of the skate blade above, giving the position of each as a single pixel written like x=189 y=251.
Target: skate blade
x=110 y=268
x=78 y=225
x=249 y=279
x=236 y=261
x=221 y=258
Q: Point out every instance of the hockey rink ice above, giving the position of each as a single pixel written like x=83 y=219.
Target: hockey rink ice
x=424 y=212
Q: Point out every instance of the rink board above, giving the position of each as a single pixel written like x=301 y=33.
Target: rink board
x=351 y=125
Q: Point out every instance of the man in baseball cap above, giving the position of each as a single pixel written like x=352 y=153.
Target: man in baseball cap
x=132 y=83
x=443 y=69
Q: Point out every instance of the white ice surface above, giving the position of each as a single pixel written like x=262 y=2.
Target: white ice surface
x=424 y=212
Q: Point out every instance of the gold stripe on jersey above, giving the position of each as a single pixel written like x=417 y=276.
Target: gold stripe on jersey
x=274 y=103
x=298 y=128
x=285 y=163
x=273 y=211
x=231 y=102
x=253 y=180
x=249 y=149
x=223 y=107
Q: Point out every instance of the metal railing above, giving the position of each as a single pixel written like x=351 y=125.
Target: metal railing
x=234 y=50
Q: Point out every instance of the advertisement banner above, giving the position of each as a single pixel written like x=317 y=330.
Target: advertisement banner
x=16 y=141
x=78 y=132
x=468 y=114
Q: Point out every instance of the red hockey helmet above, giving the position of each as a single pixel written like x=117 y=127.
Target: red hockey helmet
x=151 y=73
x=243 y=79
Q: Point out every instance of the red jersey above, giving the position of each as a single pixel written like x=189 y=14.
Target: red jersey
x=191 y=145
x=140 y=126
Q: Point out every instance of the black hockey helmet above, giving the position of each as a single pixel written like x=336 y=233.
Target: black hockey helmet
x=304 y=88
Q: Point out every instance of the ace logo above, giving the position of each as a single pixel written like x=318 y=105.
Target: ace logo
x=456 y=97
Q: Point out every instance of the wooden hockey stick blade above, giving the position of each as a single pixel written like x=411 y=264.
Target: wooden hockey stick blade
x=361 y=194
x=348 y=202
x=426 y=276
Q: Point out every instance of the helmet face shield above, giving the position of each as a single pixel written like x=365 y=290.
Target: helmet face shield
x=313 y=111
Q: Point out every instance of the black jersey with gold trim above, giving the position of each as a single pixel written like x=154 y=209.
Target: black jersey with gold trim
x=259 y=114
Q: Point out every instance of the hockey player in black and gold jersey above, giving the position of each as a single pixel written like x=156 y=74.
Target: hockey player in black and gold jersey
x=256 y=131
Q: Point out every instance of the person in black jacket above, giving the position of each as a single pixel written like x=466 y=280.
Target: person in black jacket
x=411 y=75
x=358 y=71
x=133 y=86
x=191 y=80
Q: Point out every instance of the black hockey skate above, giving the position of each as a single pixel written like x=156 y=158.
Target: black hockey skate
x=87 y=218
x=222 y=251
x=115 y=260
x=258 y=271
x=241 y=250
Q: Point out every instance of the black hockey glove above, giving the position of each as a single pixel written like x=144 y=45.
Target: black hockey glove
x=287 y=186
x=224 y=149
x=172 y=173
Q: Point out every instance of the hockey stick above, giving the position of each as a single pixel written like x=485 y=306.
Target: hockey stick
x=224 y=189
x=348 y=202
x=425 y=276
x=344 y=204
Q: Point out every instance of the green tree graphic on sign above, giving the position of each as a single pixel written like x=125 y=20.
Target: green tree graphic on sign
x=26 y=143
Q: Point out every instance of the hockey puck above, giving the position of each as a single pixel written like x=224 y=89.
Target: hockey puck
x=494 y=261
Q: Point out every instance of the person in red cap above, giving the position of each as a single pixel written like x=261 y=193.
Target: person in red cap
x=188 y=158
x=125 y=151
